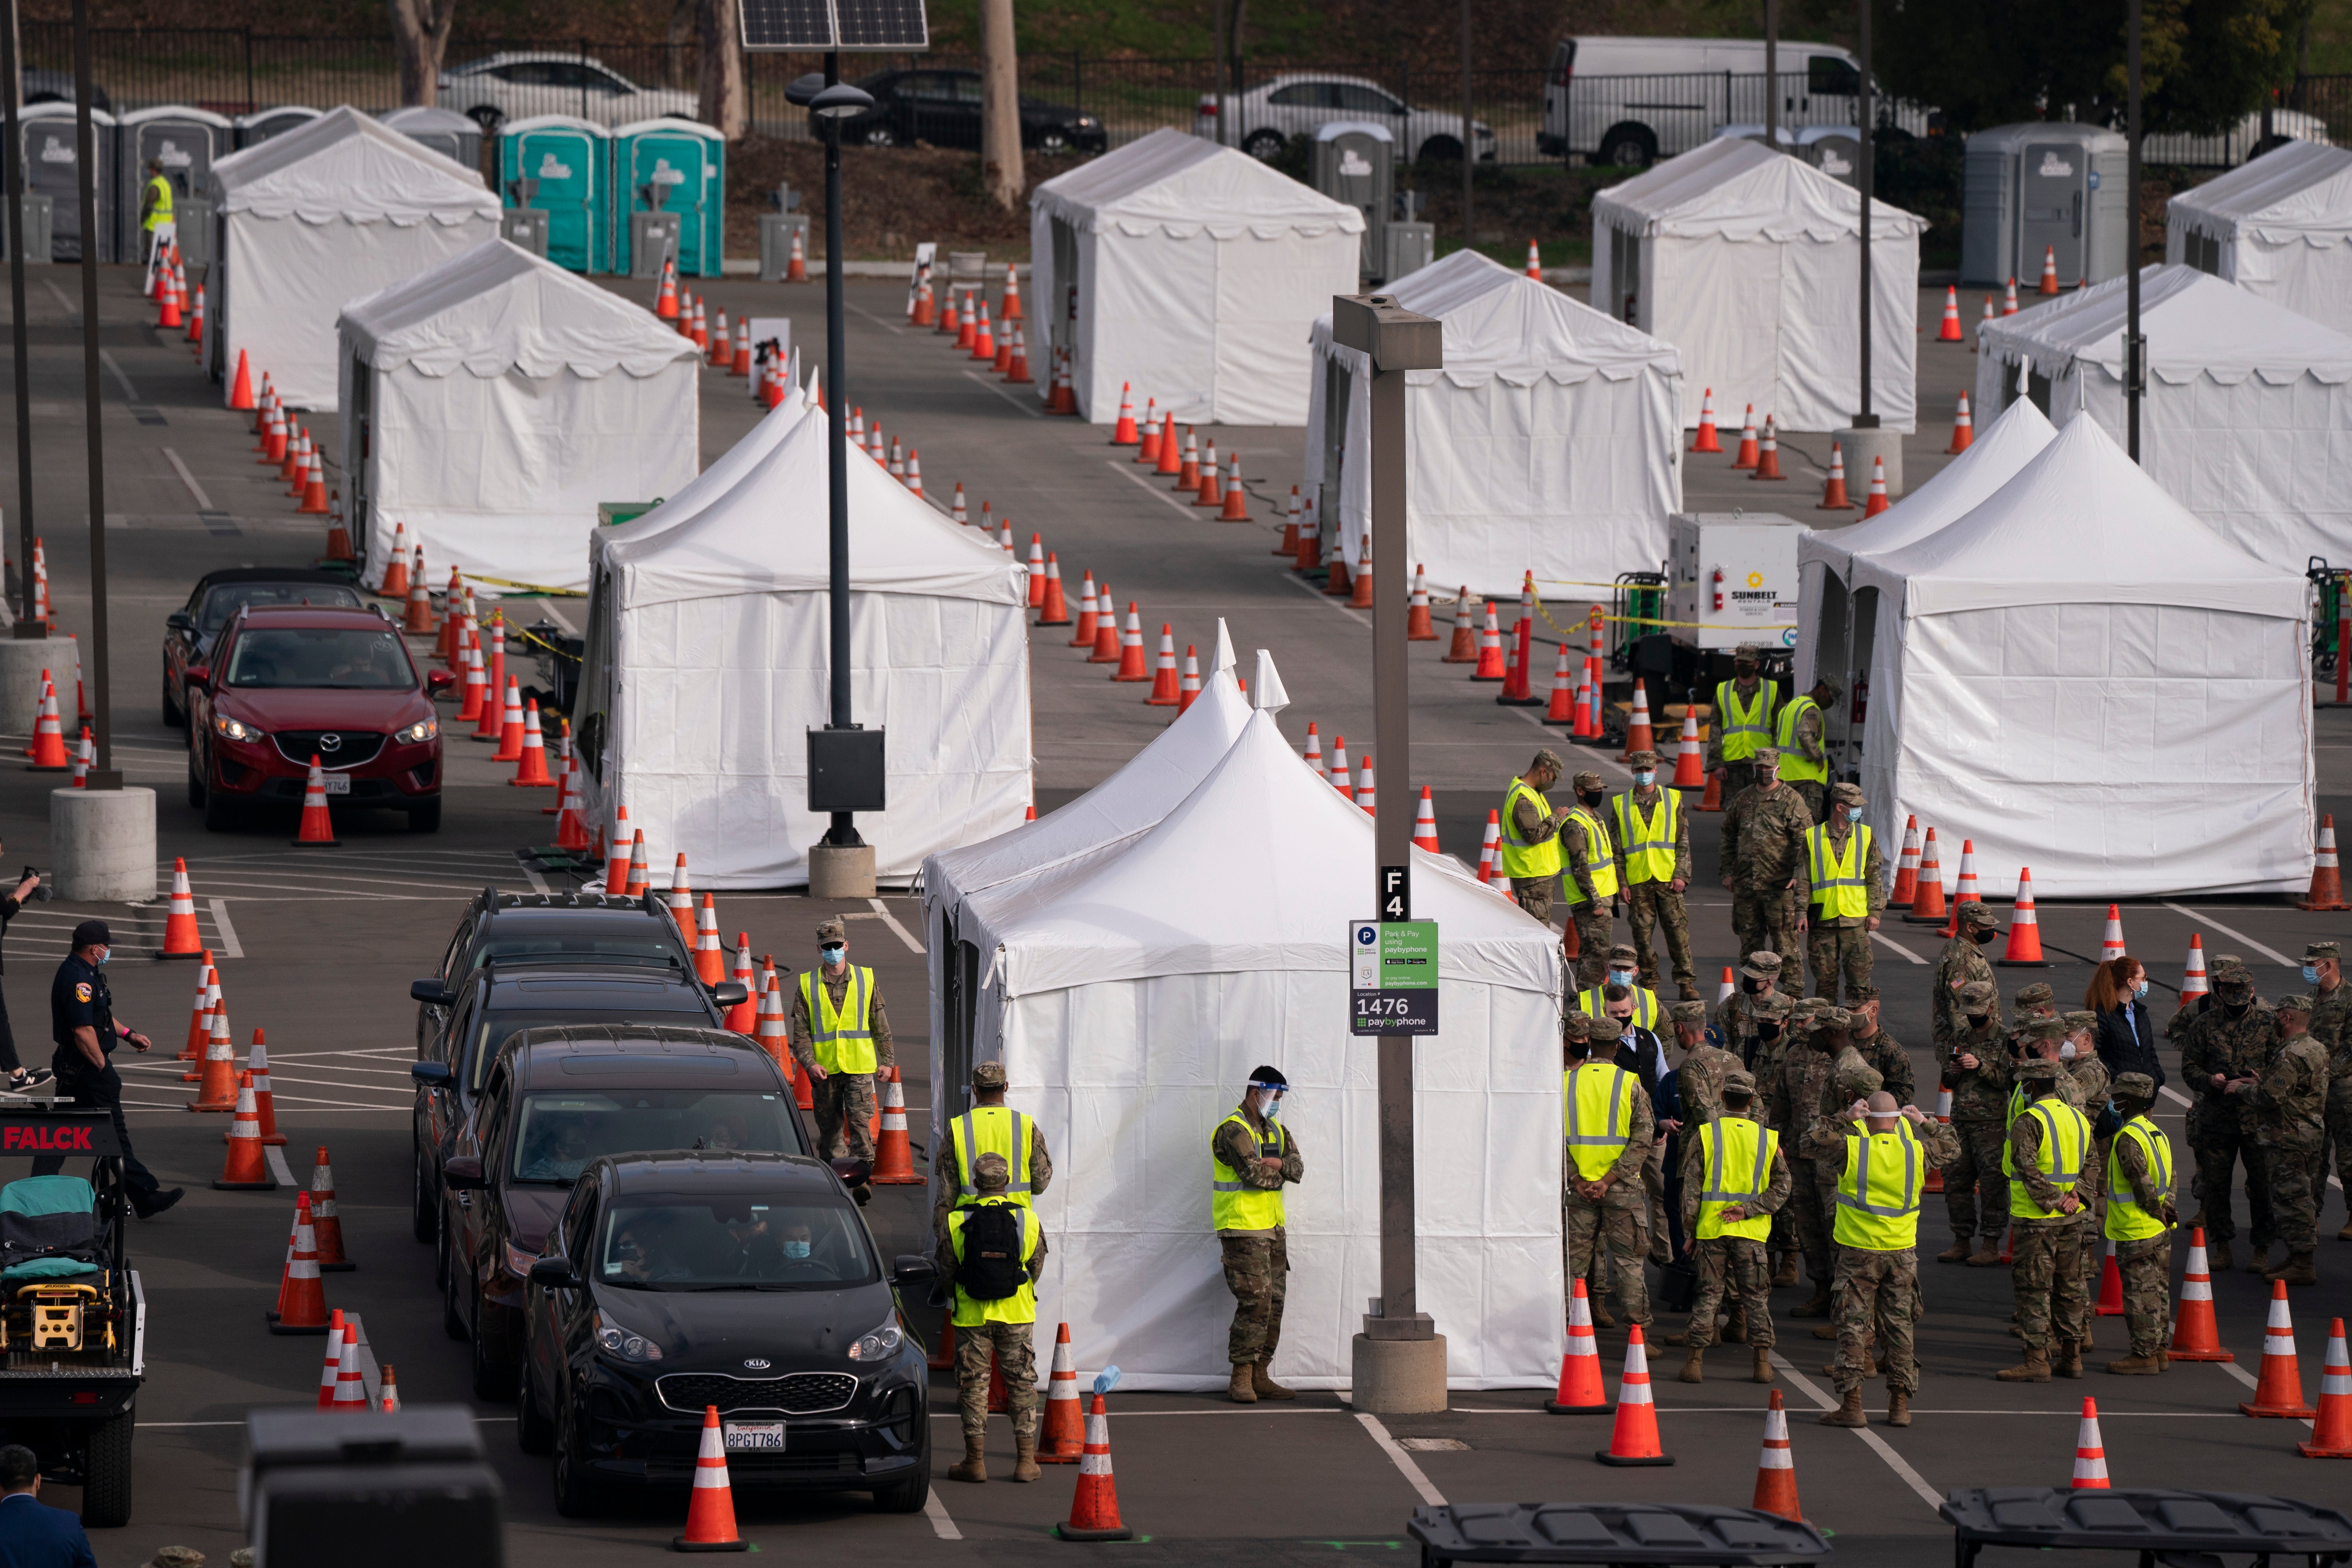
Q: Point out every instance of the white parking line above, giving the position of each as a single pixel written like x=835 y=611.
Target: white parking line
x=2274 y=954
x=1883 y=940
x=1026 y=405
x=531 y=874
x=937 y=1512
x=1885 y=1450
x=1402 y=1461
x=204 y=501
x=1127 y=471
x=277 y=1156
x=129 y=392
x=882 y=913
x=229 y=946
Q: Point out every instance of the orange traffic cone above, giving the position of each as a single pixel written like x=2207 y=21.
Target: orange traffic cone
x=740 y=362
x=1638 y=734
x=510 y=726
x=333 y=1361
x=744 y=1016
x=1424 y=823
x=85 y=759
x=1833 y=496
x=2331 y=1435
x=317 y=829
x=616 y=854
x=387 y=1399
x=639 y=878
x=1966 y=892
x=1580 y=1392
x=1188 y=690
x=1464 y=648
x=1927 y=892
x=796 y=263
x=1164 y=692
x=180 y=937
x=531 y=768
x=1124 y=433
x=2024 y=951
x=1360 y=596
x=1963 y=431
x=1566 y=706
x=769 y=1028
x=1188 y=469
x=246 y=1170
x=1236 y=503
x=1635 y=1438
x=1009 y=305
x=679 y=901
x=1534 y=261
x=2279 y=1390
x=1713 y=799
x=1949 y=332
x=1016 y=364
x=2090 y=1452
x=2110 y=941
x=1337 y=583
x=1094 y=1511
x=1146 y=451
x=351 y=1390
x=710 y=1510
x=196 y=322
x=1056 y=610
x=665 y=302
x=1062 y=1433
x=217 y=1078
x=240 y=390
x=1746 y=457
x=1418 y=627
x=168 y=311
x=1767 y=465
x=1776 y=1468
x=2195 y=1336
x=1338 y=776
x=419 y=616
x=200 y=1018
x=396 y=565
x=2049 y=270
x=1313 y=755
x=2110 y=1303
x=1490 y=665
x=2192 y=973
x=1130 y=648
x=893 y=1154
x=722 y=344
x=1876 y=502
x=571 y=832
x=49 y=734
x=265 y=1103
x=983 y=337
x=1490 y=845
x=1690 y=764
x=326 y=1220
x=2327 y=877
x=314 y=504
x=1208 y=492
x=1035 y=580
x=301 y=1299
x=1310 y=540
x=1366 y=796
x=1706 y=440
x=1084 y=636
x=1907 y=867
x=709 y=958
x=2009 y=301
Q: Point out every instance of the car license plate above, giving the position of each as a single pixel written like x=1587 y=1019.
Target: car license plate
x=336 y=784
x=757 y=1436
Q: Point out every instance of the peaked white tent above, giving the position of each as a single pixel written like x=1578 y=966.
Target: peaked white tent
x=1552 y=439
x=2279 y=227
x=335 y=209
x=2087 y=680
x=1749 y=262
x=492 y=401
x=2247 y=420
x=1189 y=271
x=705 y=665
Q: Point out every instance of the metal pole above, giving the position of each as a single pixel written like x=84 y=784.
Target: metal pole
x=1771 y=75
x=2134 y=345
x=1469 y=152
x=102 y=777
x=844 y=830
x=1866 y=420
x=1222 y=99
x=15 y=155
x=1392 y=825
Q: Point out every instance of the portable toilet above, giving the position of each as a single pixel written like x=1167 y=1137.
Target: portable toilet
x=687 y=164
x=1354 y=160
x=2051 y=187
x=1834 y=149
x=253 y=129
x=49 y=170
x=446 y=132
x=186 y=141
x=571 y=161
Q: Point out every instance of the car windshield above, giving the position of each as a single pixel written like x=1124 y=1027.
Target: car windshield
x=495 y=1029
x=340 y=659
x=733 y=1242
x=225 y=600
x=552 y=941
x=559 y=1132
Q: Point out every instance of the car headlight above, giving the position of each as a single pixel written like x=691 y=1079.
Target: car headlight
x=880 y=1343
x=519 y=1262
x=619 y=1342
x=225 y=725
x=423 y=729
x=1086 y=122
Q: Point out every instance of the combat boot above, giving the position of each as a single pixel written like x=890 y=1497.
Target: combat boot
x=2035 y=1368
x=2297 y=1269
x=2217 y=1255
x=974 y=1466
x=1735 y=1332
x=1898 y=1407
x=1824 y=1330
x=2260 y=1263
x=2197 y=1220
x=1786 y=1275
x=1025 y=1455
x=1956 y=1253
x=1679 y=1337
x=1815 y=1305
x=2345 y=1234
x=1848 y=1414
x=1243 y=1389
x=1693 y=1371
x=2069 y=1362
x=1262 y=1381
x=1761 y=1369
x=2137 y=1366
x=1601 y=1317
x=1987 y=1256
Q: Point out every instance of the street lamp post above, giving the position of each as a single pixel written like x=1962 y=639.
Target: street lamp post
x=1864 y=177
x=2135 y=344
x=26 y=627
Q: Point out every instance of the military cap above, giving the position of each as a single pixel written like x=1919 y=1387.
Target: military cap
x=991 y=1174
x=1828 y=684
x=1642 y=759
x=1688 y=1011
x=1809 y=1007
x=176 y=1557
x=1775 y=1006
x=1862 y=993
x=2035 y=995
x=2314 y=951
x=2080 y=1020
x=2048 y=1029
x=1625 y=950
x=1847 y=794
x=2038 y=1069
x=1576 y=1026
x=1765 y=756
x=2233 y=974
x=2134 y=1086
x=1546 y=758
x=1748 y=652
x=1762 y=964
x=1589 y=779
x=1978 y=917
x=2222 y=961
x=988 y=1075
x=1836 y=1017
x=832 y=930
x=1860 y=1078
x=2298 y=1004
x=1979 y=993
x=1737 y=1081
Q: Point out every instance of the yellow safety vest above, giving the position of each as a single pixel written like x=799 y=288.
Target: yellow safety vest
x=1645 y=1006
x=844 y=1040
x=1597 y=1115
x=2065 y=1134
x=1649 y=844
x=161 y=212
x=1521 y=858
x=992 y=1130
x=1739 y=1156
x=1839 y=890
x=1794 y=766
x=2125 y=1220
x=1878 y=1193
x=1234 y=1206
x=1600 y=858
x=1021 y=1307
x=1743 y=727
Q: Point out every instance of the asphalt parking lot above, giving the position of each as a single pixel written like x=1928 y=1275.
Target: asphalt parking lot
x=317 y=949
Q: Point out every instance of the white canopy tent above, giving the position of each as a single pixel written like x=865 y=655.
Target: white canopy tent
x=2279 y=227
x=2087 y=680
x=2247 y=420
x=491 y=402
x=1552 y=439
x=1190 y=271
x=335 y=209
x=1748 y=262
x=706 y=664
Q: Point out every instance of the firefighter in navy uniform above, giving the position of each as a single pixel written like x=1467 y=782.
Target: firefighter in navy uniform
x=81 y=1021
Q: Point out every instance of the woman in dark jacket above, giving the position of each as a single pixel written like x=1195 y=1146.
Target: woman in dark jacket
x=2118 y=995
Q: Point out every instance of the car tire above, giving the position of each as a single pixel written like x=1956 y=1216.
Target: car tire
x=493 y=1378
x=575 y=1488
x=425 y=818
x=909 y=1495
x=879 y=134
x=1265 y=146
x=1627 y=147
x=424 y=1215
x=1440 y=150
x=221 y=813
x=106 y=1474
x=535 y=1433
x=488 y=117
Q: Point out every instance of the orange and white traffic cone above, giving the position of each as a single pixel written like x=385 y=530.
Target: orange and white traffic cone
x=1236 y=503
x=1084 y=634
x=2327 y=877
x=2278 y=1392
x=1639 y=736
x=1768 y=463
x=1009 y=302
x=2195 y=1335
x=1367 y=795
x=1534 y=261
x=2110 y=1302
x=240 y=390
x=331 y=1363
x=710 y=1507
x=1188 y=690
x=743 y=1018
x=1907 y=867
x=616 y=854
x=200 y=1018
x=1706 y=440
x=1424 y=823
x=740 y=362
x=214 y=1022
x=301 y=1299
x=709 y=958
x=181 y=939
x=1016 y=365
x=983 y=337
x=531 y=768
x=264 y=1103
x=1833 y=496
x=418 y=619
x=1094 y=1511
x=1338 y=776
x=1062 y=1433
x=1690 y=762
x=1966 y=892
x=1164 y=692
x=1747 y=455
x=1464 y=648
x=570 y=831
x=1566 y=706
x=893 y=1154
x=217 y=1078
x=2331 y=1435
x=1877 y=501
x=679 y=901
x=1188 y=469
x=2009 y=301
x=1208 y=492
x=387 y=1399
x=1963 y=428
x=317 y=829
x=510 y=726
x=1490 y=846
x=1633 y=1440
x=314 y=502
x=2110 y=941
x=1580 y=722
x=1580 y=1391
x=246 y=1169
x=769 y=1026
x=2192 y=971
x=1310 y=540
x=49 y=734
x=1984 y=323
x=1776 y=1468
x=1490 y=665
x=722 y=344
x=1035 y=572
x=1418 y=625
x=1130 y=648
x=665 y=302
x=85 y=759
x=326 y=1220
x=2049 y=270
x=477 y=684
x=1155 y=425
x=699 y=332
x=1106 y=626
x=2024 y=951
x=796 y=263
x=639 y=878
x=1949 y=332
x=1055 y=609
x=351 y=1389
x=2090 y=1451
x=1928 y=892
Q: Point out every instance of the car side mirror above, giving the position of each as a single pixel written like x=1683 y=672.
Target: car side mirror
x=432 y=1074
x=555 y=1273
x=440 y=681
x=853 y=1172
x=463 y=1175
x=181 y=621
x=730 y=994
x=911 y=1268
x=199 y=675
x=432 y=992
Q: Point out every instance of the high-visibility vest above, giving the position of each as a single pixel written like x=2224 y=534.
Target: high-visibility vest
x=1794 y=766
x=1737 y=1155
x=1743 y=726
x=2125 y=1220
x=1234 y=1206
x=1021 y=1307
x=843 y=1040
x=161 y=212
x=992 y=1130
x=1840 y=891
x=1645 y=1006
x=1521 y=858
x=1649 y=843
x=2066 y=1135
x=1878 y=1193
x=1597 y=1115
x=1600 y=858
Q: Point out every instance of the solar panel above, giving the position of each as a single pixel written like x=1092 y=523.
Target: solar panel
x=788 y=25
x=803 y=25
x=882 y=25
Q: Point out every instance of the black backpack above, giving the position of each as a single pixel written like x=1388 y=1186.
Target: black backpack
x=992 y=1269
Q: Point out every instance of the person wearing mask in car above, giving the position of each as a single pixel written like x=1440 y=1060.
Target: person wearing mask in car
x=991 y=1258
x=1252 y=1156
x=82 y=1022
x=20 y=1077
x=989 y=1127
x=841 y=1037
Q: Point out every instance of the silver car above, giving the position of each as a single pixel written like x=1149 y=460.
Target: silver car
x=516 y=86
x=1261 y=120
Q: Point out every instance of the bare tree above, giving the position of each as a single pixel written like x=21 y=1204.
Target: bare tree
x=420 y=32
x=1000 y=104
x=725 y=107
x=684 y=20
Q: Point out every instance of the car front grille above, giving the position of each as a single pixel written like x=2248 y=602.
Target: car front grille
x=352 y=747
x=799 y=1394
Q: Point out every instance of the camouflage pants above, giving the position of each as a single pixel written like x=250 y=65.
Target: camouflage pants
x=1735 y=1266
x=1767 y=922
x=2147 y=1266
x=1533 y=894
x=1813 y=1204
x=1257 y=1271
x=1009 y=1346
x=844 y=1105
x=2294 y=1178
x=2048 y=1279
x=1595 y=930
x=1585 y=1225
x=1649 y=904
x=1811 y=792
x=1976 y=1194
x=2219 y=1146
x=1877 y=1294
x=1836 y=949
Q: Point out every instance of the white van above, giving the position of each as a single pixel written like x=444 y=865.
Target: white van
x=1626 y=102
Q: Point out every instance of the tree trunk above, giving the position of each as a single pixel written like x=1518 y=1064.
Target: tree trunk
x=1000 y=105
x=725 y=107
x=684 y=20
x=420 y=33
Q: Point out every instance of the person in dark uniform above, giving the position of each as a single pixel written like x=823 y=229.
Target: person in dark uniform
x=18 y=1077
x=81 y=1021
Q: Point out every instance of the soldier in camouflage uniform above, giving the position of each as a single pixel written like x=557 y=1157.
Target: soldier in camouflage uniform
x=2331 y=1025
x=1800 y=736
x=2051 y=1310
x=2034 y=1002
x=2289 y=1102
x=1613 y=1207
x=1257 y=1257
x=1974 y=1063
x=1879 y=1049
x=2144 y=1262
x=845 y=1100
x=1584 y=842
x=1699 y=1081
x=1839 y=944
x=1877 y=1288
x=1748 y=686
x=1530 y=818
x=1763 y=852
x=2230 y=1039
x=1735 y=1015
x=1009 y=1346
x=2078 y=1053
x=1653 y=899
x=1730 y=1265
x=1804 y=1075
x=1961 y=962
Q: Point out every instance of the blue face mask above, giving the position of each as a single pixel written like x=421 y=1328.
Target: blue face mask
x=1645 y=778
x=1620 y=977
x=797 y=1249
x=2310 y=974
x=833 y=956
x=103 y=955
x=2140 y=989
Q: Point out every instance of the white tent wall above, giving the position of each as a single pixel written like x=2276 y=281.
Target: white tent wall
x=1720 y=301
x=2282 y=224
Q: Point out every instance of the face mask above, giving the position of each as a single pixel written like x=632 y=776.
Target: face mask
x=2140 y=989
x=2237 y=1009
x=103 y=954
x=1270 y=1104
x=1592 y=798
x=1747 y=984
x=797 y=1249
x=2310 y=974
x=1984 y=938
x=1645 y=778
x=833 y=956
x=2066 y=1051
x=1767 y=1031
x=1977 y=1020
x=1620 y=977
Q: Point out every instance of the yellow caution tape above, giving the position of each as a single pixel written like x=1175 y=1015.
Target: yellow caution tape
x=515 y=631
x=527 y=587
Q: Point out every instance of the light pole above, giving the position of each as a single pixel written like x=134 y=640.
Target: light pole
x=1865 y=419
x=2134 y=345
x=15 y=153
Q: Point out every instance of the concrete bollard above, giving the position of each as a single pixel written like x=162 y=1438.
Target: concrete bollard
x=102 y=844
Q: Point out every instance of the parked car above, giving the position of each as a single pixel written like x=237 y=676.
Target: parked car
x=517 y=84
x=942 y=108
x=281 y=685
x=217 y=595
x=1262 y=121
x=57 y=86
x=668 y=1287
x=581 y=927
x=556 y=1098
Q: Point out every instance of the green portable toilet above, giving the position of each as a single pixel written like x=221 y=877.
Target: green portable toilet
x=571 y=159
x=688 y=163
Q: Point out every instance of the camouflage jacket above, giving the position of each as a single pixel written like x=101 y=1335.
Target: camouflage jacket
x=2024 y=1157
x=1764 y=839
x=1714 y=729
x=2230 y=1048
x=2132 y=1165
x=1885 y=1053
x=1238 y=1149
x=802 y=1034
x=1699 y=1082
x=1874 y=880
x=1735 y=1025
x=1577 y=854
x=2092 y=1075
x=1624 y=1177
x=1825 y=1141
x=1631 y=800
x=1961 y=961
x=2290 y=1100
x=2331 y=1025
x=1804 y=1073
x=1777 y=1186
x=2184 y=1018
x=1979 y=1094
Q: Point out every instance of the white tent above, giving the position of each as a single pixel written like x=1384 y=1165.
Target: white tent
x=1749 y=262
x=2247 y=420
x=339 y=207
x=706 y=664
x=2087 y=680
x=1190 y=271
x=1552 y=439
x=491 y=402
x=2279 y=227
x=1128 y=1003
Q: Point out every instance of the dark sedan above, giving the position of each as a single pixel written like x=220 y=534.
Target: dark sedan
x=218 y=595
x=749 y=1282
x=579 y=927
x=942 y=108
